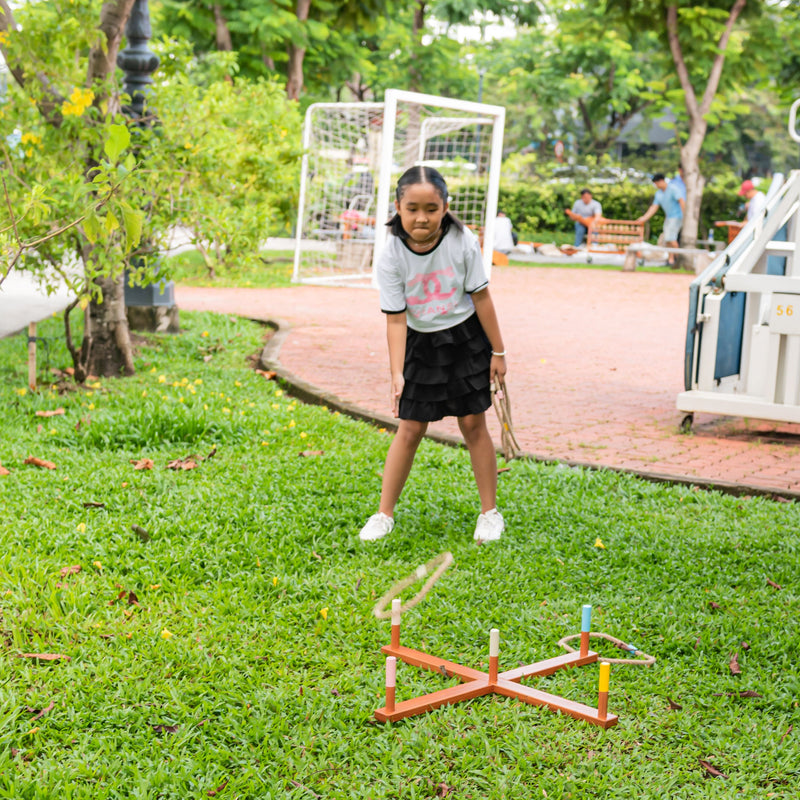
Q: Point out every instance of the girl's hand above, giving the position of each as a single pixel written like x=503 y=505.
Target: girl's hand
x=497 y=368
x=397 y=389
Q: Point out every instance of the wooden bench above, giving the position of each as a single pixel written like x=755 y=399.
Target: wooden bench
x=616 y=232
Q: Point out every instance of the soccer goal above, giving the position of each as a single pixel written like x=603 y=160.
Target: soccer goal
x=355 y=152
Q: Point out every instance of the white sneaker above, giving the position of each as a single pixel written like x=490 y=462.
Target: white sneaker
x=490 y=526
x=378 y=525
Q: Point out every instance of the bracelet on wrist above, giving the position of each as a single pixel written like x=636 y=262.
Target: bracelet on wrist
x=501 y=355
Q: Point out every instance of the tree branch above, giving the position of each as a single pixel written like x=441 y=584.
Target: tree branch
x=716 y=70
x=50 y=104
x=680 y=63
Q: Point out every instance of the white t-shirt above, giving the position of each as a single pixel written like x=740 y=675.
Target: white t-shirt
x=432 y=288
x=755 y=207
x=503 y=240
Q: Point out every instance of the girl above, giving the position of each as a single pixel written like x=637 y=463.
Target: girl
x=444 y=341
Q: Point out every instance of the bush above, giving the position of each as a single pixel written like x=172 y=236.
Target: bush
x=537 y=207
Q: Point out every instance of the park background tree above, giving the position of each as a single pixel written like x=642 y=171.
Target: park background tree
x=82 y=181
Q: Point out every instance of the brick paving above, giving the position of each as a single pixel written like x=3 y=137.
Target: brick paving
x=595 y=365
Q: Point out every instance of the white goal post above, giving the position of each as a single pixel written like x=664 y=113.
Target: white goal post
x=355 y=152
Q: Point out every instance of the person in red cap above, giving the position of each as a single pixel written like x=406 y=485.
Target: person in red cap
x=756 y=201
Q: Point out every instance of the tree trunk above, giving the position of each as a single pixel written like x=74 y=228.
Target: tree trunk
x=223 y=34
x=697 y=109
x=294 y=75
x=110 y=354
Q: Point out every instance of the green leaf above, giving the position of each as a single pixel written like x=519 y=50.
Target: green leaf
x=111 y=223
x=91 y=225
x=119 y=137
x=134 y=221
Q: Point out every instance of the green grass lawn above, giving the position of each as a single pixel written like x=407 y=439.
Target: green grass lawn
x=228 y=648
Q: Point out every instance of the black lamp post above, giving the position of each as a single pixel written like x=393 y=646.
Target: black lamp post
x=152 y=305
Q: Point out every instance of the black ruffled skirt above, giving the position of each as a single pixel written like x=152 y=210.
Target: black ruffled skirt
x=446 y=373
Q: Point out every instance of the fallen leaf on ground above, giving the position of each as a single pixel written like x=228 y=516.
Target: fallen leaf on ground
x=711 y=770
x=143 y=463
x=182 y=463
x=214 y=792
x=773 y=584
x=746 y=693
x=40 y=714
x=92 y=504
x=56 y=412
x=39 y=462
x=307 y=453
x=141 y=532
x=71 y=570
x=45 y=656
x=788 y=731
x=267 y=373
x=734 y=665
x=4 y=471
x=715 y=606
x=673 y=705
x=158 y=728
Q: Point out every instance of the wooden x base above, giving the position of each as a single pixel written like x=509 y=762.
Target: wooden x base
x=476 y=683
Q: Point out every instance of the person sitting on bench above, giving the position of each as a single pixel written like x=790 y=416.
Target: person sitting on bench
x=585 y=211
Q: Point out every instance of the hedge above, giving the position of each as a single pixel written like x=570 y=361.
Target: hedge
x=538 y=208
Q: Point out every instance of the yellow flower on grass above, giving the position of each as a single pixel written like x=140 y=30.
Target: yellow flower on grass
x=204 y=333
x=165 y=634
x=275 y=581
x=162 y=378
x=3 y=37
x=323 y=612
x=237 y=383
x=97 y=563
x=81 y=527
x=21 y=392
x=198 y=381
x=303 y=434
x=599 y=543
x=279 y=393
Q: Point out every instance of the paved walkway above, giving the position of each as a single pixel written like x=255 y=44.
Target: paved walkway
x=595 y=364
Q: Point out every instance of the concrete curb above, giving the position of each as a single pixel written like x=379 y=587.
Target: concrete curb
x=313 y=395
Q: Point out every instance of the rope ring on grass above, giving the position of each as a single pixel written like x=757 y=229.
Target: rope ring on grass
x=645 y=661
x=435 y=568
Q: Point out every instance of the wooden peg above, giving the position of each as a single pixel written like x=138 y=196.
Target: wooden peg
x=494 y=654
x=586 y=626
x=391 y=680
x=602 y=696
x=396 y=622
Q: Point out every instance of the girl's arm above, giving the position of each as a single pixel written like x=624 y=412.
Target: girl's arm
x=484 y=308
x=396 y=336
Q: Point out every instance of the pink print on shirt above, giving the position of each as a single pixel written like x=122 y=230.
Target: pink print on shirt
x=428 y=292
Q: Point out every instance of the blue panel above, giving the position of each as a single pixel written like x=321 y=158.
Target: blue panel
x=729 y=341
x=776 y=265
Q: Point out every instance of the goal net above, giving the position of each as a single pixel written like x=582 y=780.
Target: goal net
x=354 y=154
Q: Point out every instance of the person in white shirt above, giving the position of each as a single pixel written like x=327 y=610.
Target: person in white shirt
x=503 y=234
x=756 y=201
x=445 y=345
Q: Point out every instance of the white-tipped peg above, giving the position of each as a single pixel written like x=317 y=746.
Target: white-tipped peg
x=494 y=643
x=396 y=604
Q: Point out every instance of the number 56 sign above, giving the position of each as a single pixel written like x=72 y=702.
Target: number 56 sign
x=784 y=315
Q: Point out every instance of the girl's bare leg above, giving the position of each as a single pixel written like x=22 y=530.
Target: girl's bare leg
x=398 y=462
x=483 y=457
